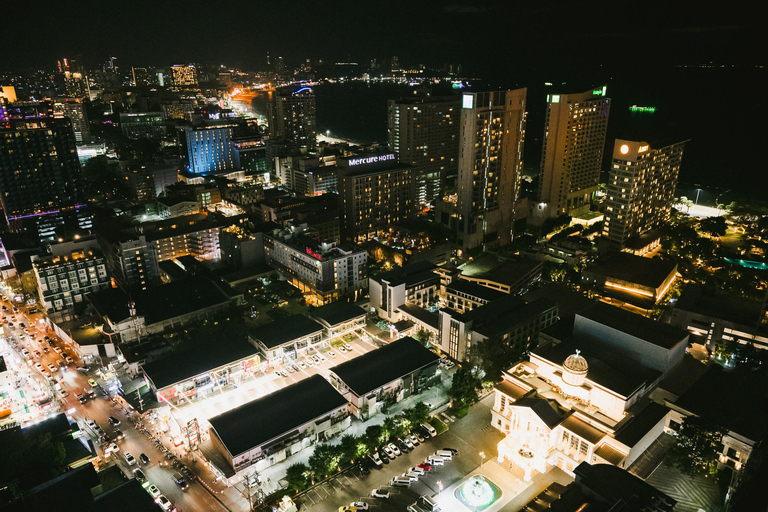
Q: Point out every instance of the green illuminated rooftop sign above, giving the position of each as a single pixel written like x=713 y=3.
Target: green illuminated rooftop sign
x=600 y=92
x=637 y=108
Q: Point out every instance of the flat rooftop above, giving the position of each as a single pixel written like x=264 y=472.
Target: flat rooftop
x=421 y=314
x=373 y=369
x=276 y=414
x=409 y=274
x=208 y=349
x=337 y=313
x=718 y=304
x=568 y=300
x=280 y=332
x=160 y=302
x=506 y=272
x=501 y=316
x=475 y=290
x=652 y=331
x=650 y=272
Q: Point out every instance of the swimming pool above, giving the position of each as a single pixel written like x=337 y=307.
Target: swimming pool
x=755 y=265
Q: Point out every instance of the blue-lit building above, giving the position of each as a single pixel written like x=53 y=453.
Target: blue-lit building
x=210 y=149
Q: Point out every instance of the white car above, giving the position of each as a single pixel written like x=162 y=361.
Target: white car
x=25 y=352
x=112 y=448
x=376 y=459
x=414 y=439
x=348 y=347
x=394 y=448
x=301 y=364
x=359 y=505
x=52 y=368
x=129 y=458
x=164 y=502
x=38 y=366
x=389 y=452
x=380 y=493
x=153 y=490
x=91 y=424
x=331 y=354
x=419 y=471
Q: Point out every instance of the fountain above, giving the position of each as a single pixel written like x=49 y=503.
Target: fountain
x=477 y=493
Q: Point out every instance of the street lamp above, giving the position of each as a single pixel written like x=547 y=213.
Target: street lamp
x=439 y=487
x=482 y=458
x=327 y=133
x=697 y=195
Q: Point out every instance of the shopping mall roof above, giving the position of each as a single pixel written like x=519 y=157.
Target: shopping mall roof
x=286 y=330
x=276 y=414
x=207 y=350
x=378 y=367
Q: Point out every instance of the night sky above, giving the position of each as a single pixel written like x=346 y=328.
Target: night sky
x=514 y=37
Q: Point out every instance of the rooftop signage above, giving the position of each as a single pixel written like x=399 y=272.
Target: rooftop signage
x=371 y=159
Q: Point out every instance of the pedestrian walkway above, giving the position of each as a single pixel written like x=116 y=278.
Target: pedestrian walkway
x=692 y=493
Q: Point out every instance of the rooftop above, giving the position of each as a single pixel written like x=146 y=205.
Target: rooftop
x=547 y=411
x=652 y=331
x=208 y=349
x=409 y=274
x=635 y=428
x=160 y=302
x=287 y=330
x=505 y=272
x=607 y=367
x=278 y=413
x=383 y=365
x=718 y=304
x=642 y=240
x=568 y=300
x=475 y=290
x=501 y=316
x=337 y=313
x=421 y=314
x=650 y=272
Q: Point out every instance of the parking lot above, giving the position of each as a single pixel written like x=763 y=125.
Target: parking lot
x=469 y=436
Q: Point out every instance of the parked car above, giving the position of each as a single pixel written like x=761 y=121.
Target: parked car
x=389 y=452
x=164 y=503
x=424 y=466
x=153 y=490
x=393 y=447
x=380 y=493
x=364 y=469
x=376 y=459
x=359 y=505
x=429 y=429
x=453 y=451
x=114 y=421
x=139 y=475
x=414 y=439
x=419 y=471
x=129 y=458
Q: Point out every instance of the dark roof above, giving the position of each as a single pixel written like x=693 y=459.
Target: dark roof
x=207 y=350
x=337 y=313
x=607 y=367
x=427 y=317
x=511 y=389
x=737 y=400
x=128 y=497
x=568 y=300
x=474 y=289
x=546 y=411
x=583 y=429
x=275 y=414
x=610 y=454
x=409 y=274
x=721 y=305
x=652 y=331
x=501 y=316
x=383 y=365
x=286 y=330
x=160 y=302
x=613 y=485
x=637 y=426
x=650 y=272
x=638 y=242
x=505 y=272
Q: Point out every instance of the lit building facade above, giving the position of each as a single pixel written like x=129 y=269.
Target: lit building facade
x=324 y=272
x=490 y=166
x=424 y=132
x=574 y=140
x=143 y=125
x=375 y=192
x=292 y=116
x=39 y=168
x=641 y=188
x=210 y=149
x=184 y=75
x=63 y=281
x=74 y=109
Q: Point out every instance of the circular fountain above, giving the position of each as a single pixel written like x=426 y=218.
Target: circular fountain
x=478 y=493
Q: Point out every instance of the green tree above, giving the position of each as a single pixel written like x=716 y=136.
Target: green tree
x=424 y=337
x=298 y=476
x=391 y=426
x=463 y=391
x=375 y=436
x=324 y=460
x=348 y=447
x=697 y=448
x=494 y=356
x=417 y=414
x=715 y=226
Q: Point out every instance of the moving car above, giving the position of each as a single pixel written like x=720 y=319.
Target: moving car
x=92 y=383
x=143 y=458
x=52 y=368
x=164 y=503
x=139 y=475
x=129 y=458
x=81 y=397
x=119 y=434
x=180 y=481
x=38 y=366
x=380 y=493
x=114 y=421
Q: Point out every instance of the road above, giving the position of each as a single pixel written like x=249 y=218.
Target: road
x=99 y=409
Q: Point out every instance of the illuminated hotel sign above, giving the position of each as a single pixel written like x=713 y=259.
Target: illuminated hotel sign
x=600 y=92
x=636 y=108
x=313 y=253
x=467 y=101
x=371 y=159
x=642 y=149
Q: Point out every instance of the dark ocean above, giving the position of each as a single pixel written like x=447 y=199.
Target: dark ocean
x=722 y=111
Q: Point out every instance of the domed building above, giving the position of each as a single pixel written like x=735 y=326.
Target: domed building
x=575 y=369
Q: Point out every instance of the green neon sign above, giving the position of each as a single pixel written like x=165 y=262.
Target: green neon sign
x=637 y=108
x=600 y=92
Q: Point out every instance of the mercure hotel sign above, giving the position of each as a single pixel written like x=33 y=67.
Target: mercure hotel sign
x=371 y=159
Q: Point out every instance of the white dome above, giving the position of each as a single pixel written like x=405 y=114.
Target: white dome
x=575 y=369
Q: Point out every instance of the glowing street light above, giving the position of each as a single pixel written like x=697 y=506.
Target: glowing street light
x=482 y=458
x=439 y=487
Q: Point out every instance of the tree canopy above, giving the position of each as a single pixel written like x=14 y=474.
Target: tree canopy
x=698 y=446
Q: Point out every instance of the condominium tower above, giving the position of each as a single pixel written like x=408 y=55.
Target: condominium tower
x=424 y=132
x=641 y=188
x=292 y=117
x=572 y=154
x=490 y=165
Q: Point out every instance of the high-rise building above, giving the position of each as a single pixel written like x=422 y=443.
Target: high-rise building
x=74 y=109
x=210 y=149
x=39 y=169
x=490 y=164
x=184 y=75
x=424 y=132
x=76 y=84
x=143 y=125
x=375 y=192
x=572 y=155
x=292 y=117
x=640 y=189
